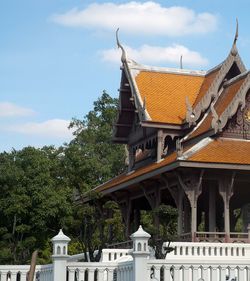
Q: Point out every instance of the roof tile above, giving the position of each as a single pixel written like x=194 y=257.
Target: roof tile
x=165 y=94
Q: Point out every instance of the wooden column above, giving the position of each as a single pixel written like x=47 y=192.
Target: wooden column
x=192 y=187
x=154 y=200
x=180 y=213
x=160 y=144
x=126 y=208
x=178 y=195
x=226 y=191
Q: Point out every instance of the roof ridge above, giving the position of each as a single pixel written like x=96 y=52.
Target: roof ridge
x=140 y=67
x=232 y=139
x=195 y=148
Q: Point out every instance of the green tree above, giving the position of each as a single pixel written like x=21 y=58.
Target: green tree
x=34 y=201
x=165 y=231
x=91 y=159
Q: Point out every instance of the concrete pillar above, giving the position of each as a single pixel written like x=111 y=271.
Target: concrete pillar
x=212 y=209
x=140 y=254
x=60 y=256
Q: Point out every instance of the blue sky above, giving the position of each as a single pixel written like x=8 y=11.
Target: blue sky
x=56 y=57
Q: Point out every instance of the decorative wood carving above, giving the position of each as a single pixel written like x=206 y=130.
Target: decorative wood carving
x=226 y=185
x=239 y=125
x=192 y=187
x=213 y=91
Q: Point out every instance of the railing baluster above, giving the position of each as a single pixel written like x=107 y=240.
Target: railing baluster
x=71 y=274
x=110 y=274
x=157 y=272
x=241 y=274
x=81 y=274
x=223 y=273
x=91 y=274
x=100 y=274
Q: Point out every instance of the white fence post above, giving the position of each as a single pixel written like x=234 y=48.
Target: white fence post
x=60 y=256
x=140 y=254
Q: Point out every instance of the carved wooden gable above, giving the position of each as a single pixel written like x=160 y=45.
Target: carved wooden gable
x=239 y=125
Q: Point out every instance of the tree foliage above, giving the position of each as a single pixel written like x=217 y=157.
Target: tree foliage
x=34 y=201
x=38 y=189
x=43 y=190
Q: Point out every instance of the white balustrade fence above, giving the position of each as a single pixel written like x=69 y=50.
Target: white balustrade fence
x=91 y=271
x=213 y=250
x=228 y=271
x=20 y=272
x=187 y=262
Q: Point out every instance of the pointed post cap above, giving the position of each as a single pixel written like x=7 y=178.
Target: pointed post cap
x=140 y=233
x=60 y=237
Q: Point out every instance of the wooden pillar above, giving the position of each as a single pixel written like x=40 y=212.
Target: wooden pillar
x=193 y=188
x=187 y=219
x=160 y=144
x=193 y=203
x=178 y=196
x=226 y=191
x=154 y=200
x=180 y=213
x=126 y=209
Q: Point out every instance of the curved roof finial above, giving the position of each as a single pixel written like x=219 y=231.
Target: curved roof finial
x=181 y=65
x=234 y=48
x=124 y=56
x=236 y=32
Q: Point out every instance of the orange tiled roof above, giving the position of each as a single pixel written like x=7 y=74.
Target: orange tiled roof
x=141 y=171
x=221 y=150
x=226 y=151
x=165 y=94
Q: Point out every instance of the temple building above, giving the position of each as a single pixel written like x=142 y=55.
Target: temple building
x=187 y=135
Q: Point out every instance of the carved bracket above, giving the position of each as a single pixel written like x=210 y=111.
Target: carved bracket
x=192 y=188
x=226 y=185
x=153 y=198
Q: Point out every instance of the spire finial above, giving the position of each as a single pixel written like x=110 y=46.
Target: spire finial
x=124 y=56
x=181 y=66
x=236 y=32
x=234 y=48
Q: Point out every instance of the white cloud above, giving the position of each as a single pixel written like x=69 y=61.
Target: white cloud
x=8 y=109
x=157 y=55
x=140 y=18
x=55 y=128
